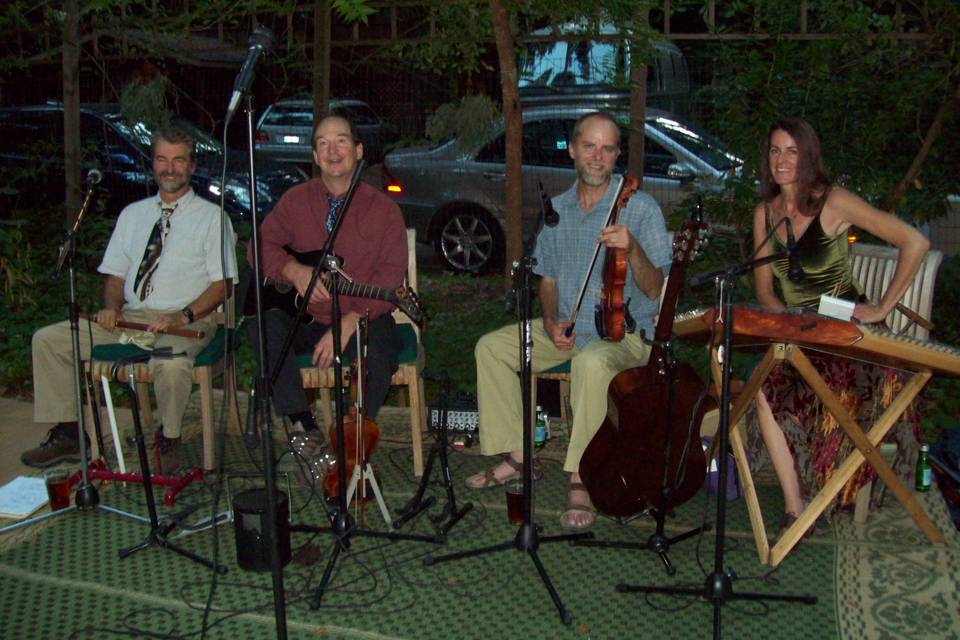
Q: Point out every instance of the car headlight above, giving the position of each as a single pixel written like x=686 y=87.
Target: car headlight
x=235 y=189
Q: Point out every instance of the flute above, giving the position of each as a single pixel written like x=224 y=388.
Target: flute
x=140 y=326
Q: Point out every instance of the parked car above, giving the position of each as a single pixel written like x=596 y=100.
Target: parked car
x=285 y=129
x=31 y=161
x=455 y=198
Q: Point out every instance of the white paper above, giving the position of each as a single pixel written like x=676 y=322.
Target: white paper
x=836 y=308
x=22 y=496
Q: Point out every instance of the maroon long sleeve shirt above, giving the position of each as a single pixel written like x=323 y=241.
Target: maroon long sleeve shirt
x=372 y=241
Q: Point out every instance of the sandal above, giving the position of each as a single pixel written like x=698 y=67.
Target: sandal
x=578 y=507
x=787 y=521
x=488 y=480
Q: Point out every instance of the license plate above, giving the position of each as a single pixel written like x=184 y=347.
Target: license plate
x=291 y=139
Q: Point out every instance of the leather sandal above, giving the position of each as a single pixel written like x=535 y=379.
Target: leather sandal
x=787 y=521
x=487 y=479
x=573 y=507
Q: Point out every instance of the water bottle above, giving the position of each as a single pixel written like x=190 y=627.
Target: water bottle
x=924 y=472
x=540 y=430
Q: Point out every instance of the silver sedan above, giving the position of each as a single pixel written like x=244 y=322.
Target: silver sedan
x=456 y=198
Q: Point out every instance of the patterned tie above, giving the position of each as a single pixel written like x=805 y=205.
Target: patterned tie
x=334 y=210
x=151 y=255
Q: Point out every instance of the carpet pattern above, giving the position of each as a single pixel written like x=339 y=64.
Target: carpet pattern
x=64 y=579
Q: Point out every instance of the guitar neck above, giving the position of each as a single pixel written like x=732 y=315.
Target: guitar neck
x=360 y=290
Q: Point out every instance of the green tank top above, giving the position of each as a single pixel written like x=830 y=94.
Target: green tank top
x=825 y=265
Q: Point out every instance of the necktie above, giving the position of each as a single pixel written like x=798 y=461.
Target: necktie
x=334 y=210
x=151 y=255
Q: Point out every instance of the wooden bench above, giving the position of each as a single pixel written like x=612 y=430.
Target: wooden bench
x=873 y=266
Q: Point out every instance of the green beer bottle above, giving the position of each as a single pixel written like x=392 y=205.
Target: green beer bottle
x=924 y=472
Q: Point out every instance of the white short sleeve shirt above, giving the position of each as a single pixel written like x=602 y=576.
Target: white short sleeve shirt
x=191 y=259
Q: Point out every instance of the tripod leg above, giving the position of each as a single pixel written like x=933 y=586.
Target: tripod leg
x=564 y=614
x=325 y=580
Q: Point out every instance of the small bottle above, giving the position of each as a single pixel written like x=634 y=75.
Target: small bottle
x=540 y=430
x=924 y=472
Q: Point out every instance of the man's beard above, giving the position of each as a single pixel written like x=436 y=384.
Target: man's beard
x=173 y=183
x=592 y=179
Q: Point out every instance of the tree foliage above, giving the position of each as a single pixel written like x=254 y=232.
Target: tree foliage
x=872 y=97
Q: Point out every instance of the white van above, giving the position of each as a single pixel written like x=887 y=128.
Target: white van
x=565 y=70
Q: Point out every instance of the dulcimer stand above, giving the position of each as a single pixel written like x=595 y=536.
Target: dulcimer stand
x=658 y=542
x=450 y=514
x=718 y=587
x=528 y=537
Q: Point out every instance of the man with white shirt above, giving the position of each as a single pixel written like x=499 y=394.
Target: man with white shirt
x=163 y=268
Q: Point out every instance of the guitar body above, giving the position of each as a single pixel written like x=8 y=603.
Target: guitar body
x=647 y=452
x=623 y=466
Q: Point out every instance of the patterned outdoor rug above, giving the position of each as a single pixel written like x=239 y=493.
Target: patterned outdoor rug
x=882 y=580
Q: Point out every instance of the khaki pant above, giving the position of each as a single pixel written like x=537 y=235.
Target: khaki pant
x=53 y=368
x=498 y=388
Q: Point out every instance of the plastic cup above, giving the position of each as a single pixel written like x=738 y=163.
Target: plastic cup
x=514 y=493
x=58 y=488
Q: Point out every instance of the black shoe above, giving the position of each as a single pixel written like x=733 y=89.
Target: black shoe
x=167 y=453
x=60 y=445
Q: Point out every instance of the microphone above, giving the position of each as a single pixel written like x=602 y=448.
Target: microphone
x=94 y=176
x=794 y=269
x=550 y=216
x=251 y=438
x=261 y=43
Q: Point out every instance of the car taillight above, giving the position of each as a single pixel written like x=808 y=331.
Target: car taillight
x=262 y=137
x=390 y=184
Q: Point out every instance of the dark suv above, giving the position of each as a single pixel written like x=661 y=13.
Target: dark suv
x=31 y=161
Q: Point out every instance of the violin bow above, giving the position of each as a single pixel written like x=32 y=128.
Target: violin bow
x=593 y=261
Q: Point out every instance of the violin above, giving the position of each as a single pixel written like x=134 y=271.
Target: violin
x=611 y=315
x=360 y=433
x=647 y=451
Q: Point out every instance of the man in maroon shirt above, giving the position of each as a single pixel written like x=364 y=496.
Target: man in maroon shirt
x=372 y=243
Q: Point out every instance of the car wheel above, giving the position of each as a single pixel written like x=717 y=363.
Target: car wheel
x=468 y=240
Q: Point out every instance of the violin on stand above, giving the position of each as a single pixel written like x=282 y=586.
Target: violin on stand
x=360 y=436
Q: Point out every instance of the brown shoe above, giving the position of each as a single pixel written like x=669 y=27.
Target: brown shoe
x=168 y=454
x=487 y=480
x=60 y=445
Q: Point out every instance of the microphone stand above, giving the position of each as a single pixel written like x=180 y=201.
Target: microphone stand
x=527 y=538
x=342 y=524
x=718 y=587
x=87 y=497
x=262 y=402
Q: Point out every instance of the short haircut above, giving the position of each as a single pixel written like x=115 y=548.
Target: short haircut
x=599 y=115
x=812 y=181
x=175 y=135
x=334 y=116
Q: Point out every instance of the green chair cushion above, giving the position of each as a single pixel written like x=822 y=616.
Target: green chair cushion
x=408 y=347
x=563 y=367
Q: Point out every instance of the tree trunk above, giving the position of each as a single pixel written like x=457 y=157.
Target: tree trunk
x=513 y=123
x=71 y=108
x=321 y=64
x=933 y=132
x=638 y=97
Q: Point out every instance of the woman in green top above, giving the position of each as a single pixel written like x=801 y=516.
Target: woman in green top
x=803 y=441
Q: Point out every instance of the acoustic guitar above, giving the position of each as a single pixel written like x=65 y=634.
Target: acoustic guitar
x=283 y=295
